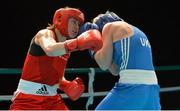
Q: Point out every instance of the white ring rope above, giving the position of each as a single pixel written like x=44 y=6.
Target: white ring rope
x=102 y=93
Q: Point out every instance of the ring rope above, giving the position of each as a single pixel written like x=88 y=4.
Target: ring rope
x=96 y=94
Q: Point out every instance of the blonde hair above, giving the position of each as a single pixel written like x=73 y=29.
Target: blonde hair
x=50 y=26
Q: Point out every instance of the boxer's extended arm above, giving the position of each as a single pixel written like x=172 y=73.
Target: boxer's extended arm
x=46 y=40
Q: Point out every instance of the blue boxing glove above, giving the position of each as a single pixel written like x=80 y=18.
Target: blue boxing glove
x=87 y=26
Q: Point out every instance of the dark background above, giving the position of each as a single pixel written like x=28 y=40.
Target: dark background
x=22 y=19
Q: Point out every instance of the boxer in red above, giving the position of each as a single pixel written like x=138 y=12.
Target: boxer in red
x=45 y=63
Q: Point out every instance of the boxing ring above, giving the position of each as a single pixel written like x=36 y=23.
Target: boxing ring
x=89 y=75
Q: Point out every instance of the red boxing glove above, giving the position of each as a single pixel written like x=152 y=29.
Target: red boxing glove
x=73 y=89
x=90 y=39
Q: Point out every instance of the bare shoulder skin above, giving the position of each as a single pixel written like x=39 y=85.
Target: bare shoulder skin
x=46 y=39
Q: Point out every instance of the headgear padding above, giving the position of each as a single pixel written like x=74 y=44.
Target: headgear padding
x=88 y=26
x=106 y=18
x=61 y=17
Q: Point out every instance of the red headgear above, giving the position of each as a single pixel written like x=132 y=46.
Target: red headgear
x=61 y=16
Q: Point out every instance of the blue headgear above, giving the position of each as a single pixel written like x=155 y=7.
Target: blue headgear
x=106 y=18
x=88 y=26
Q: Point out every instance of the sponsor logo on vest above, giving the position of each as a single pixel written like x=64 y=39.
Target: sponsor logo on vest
x=42 y=90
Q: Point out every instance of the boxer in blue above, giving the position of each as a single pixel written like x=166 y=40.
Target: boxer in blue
x=126 y=53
